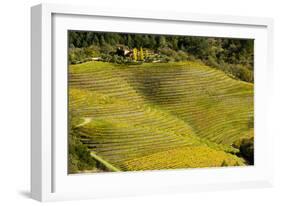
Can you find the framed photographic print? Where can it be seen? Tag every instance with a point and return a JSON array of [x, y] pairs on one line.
[[137, 102]]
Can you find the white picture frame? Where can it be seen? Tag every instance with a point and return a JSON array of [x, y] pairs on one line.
[[49, 179]]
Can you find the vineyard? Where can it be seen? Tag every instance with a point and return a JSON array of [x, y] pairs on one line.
[[159, 115]]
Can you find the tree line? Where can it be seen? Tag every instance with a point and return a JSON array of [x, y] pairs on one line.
[[233, 56]]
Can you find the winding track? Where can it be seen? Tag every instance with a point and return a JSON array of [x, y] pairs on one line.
[[86, 120]]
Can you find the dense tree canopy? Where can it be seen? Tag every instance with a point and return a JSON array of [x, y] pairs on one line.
[[234, 56]]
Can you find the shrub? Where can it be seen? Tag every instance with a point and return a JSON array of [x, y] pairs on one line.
[[79, 55], [241, 72], [246, 149], [79, 158]]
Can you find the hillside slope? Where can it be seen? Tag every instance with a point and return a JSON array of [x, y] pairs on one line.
[[159, 116]]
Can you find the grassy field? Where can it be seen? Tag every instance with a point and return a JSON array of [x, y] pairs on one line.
[[159, 115]]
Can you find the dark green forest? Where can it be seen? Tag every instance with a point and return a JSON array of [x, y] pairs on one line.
[[233, 56]]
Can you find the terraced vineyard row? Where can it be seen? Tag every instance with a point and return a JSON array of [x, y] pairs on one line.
[[159, 116], [182, 158]]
